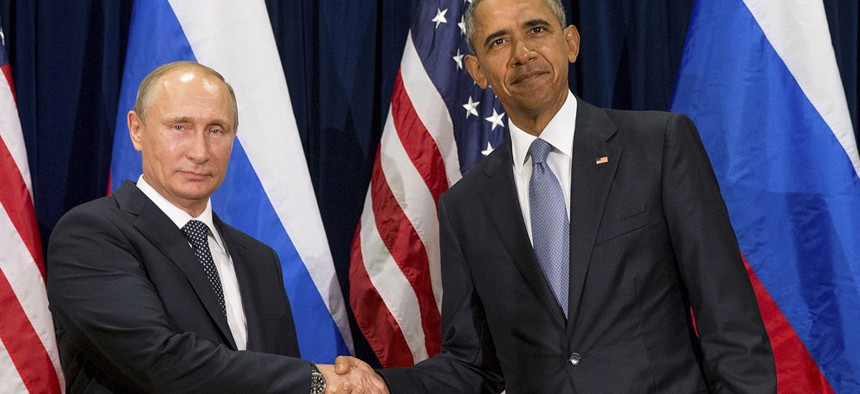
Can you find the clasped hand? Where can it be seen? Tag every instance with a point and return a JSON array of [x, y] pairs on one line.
[[350, 375]]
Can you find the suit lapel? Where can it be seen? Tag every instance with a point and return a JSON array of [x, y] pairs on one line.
[[245, 275], [590, 183], [163, 233], [500, 196]]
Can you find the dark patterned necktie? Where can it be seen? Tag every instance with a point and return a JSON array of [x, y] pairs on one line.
[[550, 226], [197, 234]]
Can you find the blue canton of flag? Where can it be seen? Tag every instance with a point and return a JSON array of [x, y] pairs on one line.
[[478, 118]]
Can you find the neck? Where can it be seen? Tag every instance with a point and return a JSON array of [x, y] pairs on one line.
[[535, 122], [192, 209], [533, 125]]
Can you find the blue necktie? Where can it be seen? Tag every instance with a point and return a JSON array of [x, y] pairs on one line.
[[197, 234], [550, 227]]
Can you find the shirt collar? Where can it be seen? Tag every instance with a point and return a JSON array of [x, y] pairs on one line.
[[558, 133], [176, 214]]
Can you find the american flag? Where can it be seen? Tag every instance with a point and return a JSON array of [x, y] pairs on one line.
[[440, 125], [29, 361]]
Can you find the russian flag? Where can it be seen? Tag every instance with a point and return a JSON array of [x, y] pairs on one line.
[[760, 80], [267, 191]]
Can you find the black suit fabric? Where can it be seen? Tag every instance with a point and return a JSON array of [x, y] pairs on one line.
[[134, 311], [650, 239]]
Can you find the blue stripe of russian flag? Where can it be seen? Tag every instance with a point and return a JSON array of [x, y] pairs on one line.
[[792, 191], [157, 37]]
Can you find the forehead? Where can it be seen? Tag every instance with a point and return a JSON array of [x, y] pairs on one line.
[[189, 86], [492, 15], [190, 81]]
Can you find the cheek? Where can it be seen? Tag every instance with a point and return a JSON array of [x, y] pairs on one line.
[[221, 151], [169, 146]]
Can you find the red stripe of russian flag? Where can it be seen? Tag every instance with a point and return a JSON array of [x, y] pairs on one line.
[[796, 371]]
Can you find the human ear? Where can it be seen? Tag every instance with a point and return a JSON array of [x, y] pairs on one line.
[[135, 130], [473, 66], [571, 37]]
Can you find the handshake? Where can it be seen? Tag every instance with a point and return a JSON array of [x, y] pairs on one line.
[[350, 375]]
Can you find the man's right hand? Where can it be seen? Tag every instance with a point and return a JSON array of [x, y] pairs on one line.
[[350, 375]]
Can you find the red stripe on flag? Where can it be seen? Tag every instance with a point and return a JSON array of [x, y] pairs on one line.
[[406, 248], [108, 192], [417, 141], [373, 317], [15, 197], [7, 72], [24, 346], [796, 371]]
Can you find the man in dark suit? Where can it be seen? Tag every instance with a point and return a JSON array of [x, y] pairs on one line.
[[150, 291], [573, 255]]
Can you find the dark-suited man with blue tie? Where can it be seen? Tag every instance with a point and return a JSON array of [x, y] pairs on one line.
[[150, 291], [573, 255]]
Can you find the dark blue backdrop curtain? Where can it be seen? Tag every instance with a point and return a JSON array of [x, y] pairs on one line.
[[340, 58]]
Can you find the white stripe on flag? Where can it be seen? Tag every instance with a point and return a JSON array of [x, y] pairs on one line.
[[414, 198], [10, 380], [26, 281], [10, 131], [267, 121], [795, 29], [393, 287], [431, 108]]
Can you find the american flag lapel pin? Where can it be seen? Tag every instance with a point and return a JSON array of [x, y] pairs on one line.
[[602, 160]]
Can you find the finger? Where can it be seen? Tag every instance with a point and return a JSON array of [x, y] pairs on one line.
[[378, 383], [341, 368], [346, 388]]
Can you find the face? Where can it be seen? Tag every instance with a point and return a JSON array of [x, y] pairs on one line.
[[186, 138], [523, 53]]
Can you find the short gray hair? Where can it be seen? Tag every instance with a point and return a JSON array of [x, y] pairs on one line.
[[147, 86], [553, 5]]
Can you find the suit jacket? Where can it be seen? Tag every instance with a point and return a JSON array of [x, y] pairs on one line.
[[650, 239], [134, 311]]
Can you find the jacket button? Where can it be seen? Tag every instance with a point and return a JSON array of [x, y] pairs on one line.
[[575, 358]]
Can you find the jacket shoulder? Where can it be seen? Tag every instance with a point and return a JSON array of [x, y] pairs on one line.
[[98, 210]]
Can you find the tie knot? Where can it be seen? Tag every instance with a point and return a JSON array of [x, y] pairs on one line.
[[539, 150], [196, 232]]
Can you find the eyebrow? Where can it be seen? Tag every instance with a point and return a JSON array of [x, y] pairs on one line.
[[188, 119], [179, 119], [536, 22]]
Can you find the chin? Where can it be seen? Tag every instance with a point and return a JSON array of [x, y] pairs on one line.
[[196, 193]]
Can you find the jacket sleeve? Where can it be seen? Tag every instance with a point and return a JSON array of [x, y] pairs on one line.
[[736, 350], [115, 332]]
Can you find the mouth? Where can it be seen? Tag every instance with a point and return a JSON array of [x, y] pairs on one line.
[[528, 76], [194, 176]]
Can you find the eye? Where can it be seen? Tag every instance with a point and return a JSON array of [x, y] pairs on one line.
[[497, 42], [178, 127], [216, 131], [538, 29]]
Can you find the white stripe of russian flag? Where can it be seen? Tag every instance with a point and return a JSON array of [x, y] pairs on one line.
[[795, 28], [264, 105]]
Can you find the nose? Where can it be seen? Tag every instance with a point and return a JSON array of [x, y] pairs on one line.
[[198, 149], [522, 54]]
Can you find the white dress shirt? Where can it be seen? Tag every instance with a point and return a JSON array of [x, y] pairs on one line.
[[229, 283], [558, 133]]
